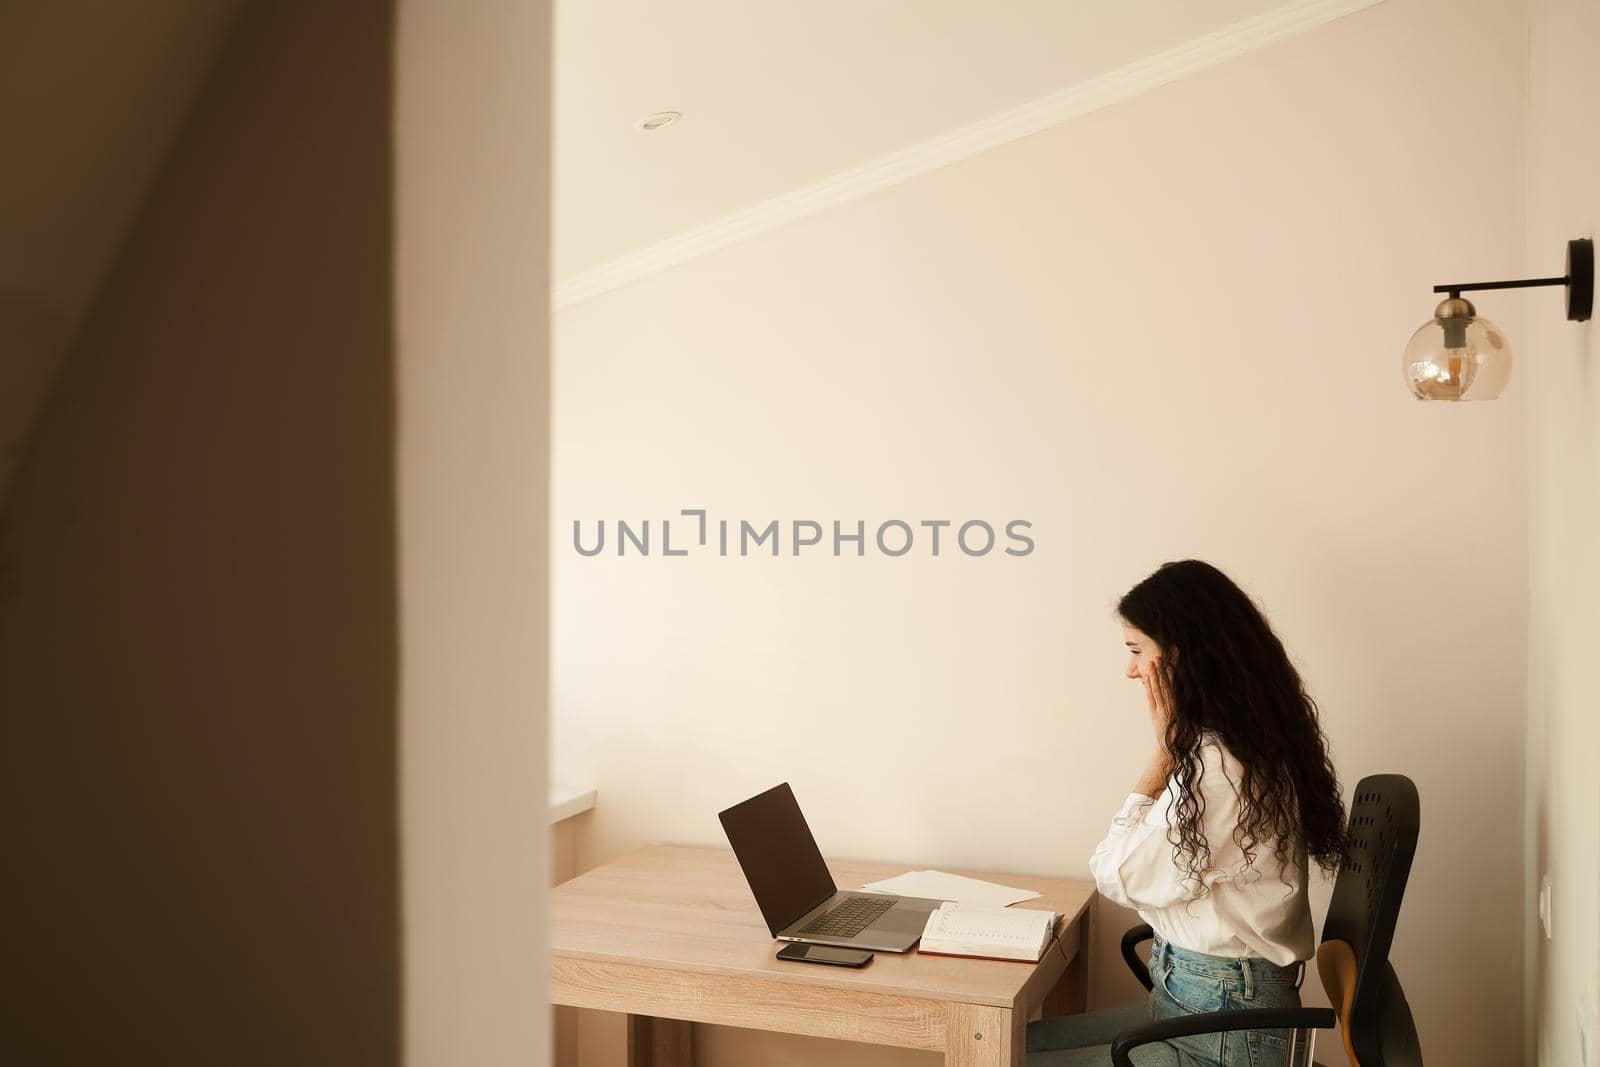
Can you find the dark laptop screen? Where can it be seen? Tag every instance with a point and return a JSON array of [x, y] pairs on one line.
[[779, 856]]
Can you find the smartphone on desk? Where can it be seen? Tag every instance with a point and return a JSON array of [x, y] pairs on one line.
[[839, 957]]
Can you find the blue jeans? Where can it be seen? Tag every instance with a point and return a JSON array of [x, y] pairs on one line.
[[1186, 983]]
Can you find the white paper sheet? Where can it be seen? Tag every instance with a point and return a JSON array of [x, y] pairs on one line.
[[937, 885]]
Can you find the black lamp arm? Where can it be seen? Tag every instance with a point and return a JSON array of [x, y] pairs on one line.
[[1579, 281], [1457, 288]]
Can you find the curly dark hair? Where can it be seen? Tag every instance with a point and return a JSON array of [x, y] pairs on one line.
[[1229, 673]]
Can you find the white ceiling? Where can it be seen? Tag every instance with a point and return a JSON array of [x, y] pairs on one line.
[[779, 95]]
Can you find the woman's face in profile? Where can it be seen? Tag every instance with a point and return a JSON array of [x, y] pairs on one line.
[[1142, 651]]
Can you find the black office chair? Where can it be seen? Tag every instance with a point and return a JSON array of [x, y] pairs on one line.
[[1353, 958]]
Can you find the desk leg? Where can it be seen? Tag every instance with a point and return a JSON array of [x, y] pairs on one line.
[[654, 1042], [1070, 994], [983, 1036]]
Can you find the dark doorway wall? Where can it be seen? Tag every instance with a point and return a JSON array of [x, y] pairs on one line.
[[198, 652]]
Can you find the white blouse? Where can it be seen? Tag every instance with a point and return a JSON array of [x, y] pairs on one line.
[[1257, 911]]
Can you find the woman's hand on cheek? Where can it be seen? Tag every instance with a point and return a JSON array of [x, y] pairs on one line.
[[1158, 695]]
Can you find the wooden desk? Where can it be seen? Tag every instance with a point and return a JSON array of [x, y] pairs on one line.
[[670, 934]]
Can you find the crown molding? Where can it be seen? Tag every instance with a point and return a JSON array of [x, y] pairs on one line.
[[1098, 92]]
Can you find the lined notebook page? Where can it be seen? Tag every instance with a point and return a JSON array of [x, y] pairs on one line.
[[977, 931]]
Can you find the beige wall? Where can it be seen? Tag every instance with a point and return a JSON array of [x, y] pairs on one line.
[[198, 624], [1171, 328], [1558, 362], [273, 575], [472, 133]]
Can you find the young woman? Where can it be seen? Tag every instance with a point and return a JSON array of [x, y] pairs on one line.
[[1212, 845]]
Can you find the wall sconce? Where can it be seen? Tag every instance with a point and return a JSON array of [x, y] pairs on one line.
[[1458, 356]]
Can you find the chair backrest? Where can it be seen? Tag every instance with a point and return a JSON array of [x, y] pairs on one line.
[[1377, 1023]]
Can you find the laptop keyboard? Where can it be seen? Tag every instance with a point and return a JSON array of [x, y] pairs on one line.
[[849, 918]]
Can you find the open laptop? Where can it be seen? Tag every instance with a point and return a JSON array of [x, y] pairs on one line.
[[795, 891]]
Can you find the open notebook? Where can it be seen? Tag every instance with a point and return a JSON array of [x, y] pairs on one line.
[[992, 933]]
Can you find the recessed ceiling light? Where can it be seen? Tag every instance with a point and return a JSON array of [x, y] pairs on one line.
[[659, 120]]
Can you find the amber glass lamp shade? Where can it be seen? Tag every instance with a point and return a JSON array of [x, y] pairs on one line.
[[1457, 356]]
